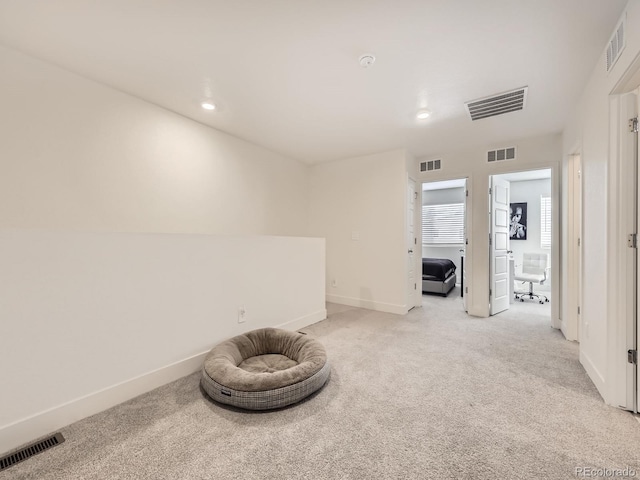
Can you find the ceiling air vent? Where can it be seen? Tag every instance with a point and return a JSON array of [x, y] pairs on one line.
[[616, 43], [430, 165], [500, 154], [497, 104]]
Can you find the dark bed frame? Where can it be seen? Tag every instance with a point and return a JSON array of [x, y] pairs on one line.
[[438, 276]]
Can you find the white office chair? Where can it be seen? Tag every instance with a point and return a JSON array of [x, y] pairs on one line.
[[534, 270]]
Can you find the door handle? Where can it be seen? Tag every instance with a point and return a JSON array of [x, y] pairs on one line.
[[411, 250]]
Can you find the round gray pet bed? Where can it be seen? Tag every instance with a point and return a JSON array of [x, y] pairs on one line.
[[264, 369]]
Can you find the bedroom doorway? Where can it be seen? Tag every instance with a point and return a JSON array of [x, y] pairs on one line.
[[444, 239], [528, 244]]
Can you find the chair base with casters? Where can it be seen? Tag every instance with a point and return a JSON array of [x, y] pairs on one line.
[[522, 295], [534, 270]]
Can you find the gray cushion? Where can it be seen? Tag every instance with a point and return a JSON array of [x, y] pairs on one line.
[[265, 368]]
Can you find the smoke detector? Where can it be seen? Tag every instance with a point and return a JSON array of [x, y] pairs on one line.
[[367, 60]]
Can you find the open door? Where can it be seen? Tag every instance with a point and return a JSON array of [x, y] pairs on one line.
[[498, 246], [635, 334], [464, 289], [572, 297], [412, 246], [626, 383]]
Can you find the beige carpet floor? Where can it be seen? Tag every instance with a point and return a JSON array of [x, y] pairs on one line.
[[435, 394]]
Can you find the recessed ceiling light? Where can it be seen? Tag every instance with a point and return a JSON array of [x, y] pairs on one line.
[[208, 105], [422, 114]]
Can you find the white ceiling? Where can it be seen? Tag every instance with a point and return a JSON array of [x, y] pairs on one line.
[[285, 73]]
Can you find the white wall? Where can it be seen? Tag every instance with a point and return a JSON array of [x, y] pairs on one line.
[[592, 132], [532, 153], [358, 205], [75, 154], [92, 319]]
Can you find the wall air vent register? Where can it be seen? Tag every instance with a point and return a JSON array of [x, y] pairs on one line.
[[616, 43], [500, 154], [430, 165]]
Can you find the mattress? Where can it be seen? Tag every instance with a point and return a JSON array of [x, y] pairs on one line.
[[437, 268]]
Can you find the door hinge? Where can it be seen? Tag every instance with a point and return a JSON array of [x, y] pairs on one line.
[[578, 309], [490, 292], [415, 286], [466, 193], [415, 195], [632, 356], [632, 240], [489, 190], [489, 239], [633, 125], [578, 242]]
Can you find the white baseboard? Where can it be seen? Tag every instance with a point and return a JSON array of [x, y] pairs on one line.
[[41, 424], [595, 376], [564, 328], [304, 321], [31, 428], [369, 304]]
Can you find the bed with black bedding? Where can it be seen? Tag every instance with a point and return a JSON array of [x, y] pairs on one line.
[[438, 275]]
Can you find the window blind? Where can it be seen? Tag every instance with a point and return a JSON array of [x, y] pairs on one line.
[[443, 224], [545, 222]]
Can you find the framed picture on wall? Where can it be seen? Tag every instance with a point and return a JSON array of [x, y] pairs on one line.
[[518, 223]]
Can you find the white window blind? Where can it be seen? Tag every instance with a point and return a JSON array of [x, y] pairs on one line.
[[545, 222], [443, 224]]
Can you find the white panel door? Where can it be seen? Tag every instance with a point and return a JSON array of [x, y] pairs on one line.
[[499, 246], [464, 283], [412, 283], [635, 326], [624, 381]]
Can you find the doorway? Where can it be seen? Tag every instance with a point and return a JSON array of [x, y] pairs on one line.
[[444, 237], [529, 239]]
